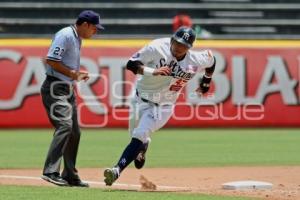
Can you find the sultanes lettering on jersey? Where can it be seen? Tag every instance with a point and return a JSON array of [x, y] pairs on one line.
[[177, 70]]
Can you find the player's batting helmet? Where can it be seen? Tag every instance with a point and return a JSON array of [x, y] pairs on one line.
[[185, 35]]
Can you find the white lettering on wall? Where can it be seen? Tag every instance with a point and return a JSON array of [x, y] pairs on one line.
[[236, 85]]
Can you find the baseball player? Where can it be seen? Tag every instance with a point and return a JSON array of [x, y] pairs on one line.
[[59, 98], [164, 67]]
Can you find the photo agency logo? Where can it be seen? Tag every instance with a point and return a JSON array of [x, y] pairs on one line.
[[121, 107]]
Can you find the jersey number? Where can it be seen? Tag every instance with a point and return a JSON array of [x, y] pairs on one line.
[[177, 85], [58, 51]]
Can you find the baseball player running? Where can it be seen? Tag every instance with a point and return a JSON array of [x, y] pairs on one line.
[[165, 66]]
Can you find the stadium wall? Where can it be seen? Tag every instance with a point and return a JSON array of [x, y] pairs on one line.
[[255, 84]]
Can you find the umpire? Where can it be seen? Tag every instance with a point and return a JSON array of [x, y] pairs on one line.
[[59, 98]]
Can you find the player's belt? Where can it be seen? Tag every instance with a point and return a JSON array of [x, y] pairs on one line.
[[145, 100]]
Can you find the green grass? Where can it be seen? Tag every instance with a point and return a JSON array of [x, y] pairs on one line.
[[169, 147], [55, 193]]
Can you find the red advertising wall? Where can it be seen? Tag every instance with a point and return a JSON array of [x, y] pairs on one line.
[[256, 83]]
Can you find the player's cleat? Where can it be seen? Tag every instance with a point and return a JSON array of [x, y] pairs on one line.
[[55, 179], [111, 175], [140, 160]]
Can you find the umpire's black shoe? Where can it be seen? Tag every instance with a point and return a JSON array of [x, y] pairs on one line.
[[55, 179], [140, 160], [78, 183]]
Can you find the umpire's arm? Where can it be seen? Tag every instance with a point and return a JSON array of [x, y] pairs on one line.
[[61, 68]]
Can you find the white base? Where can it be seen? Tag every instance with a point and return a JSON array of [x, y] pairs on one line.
[[240, 185]]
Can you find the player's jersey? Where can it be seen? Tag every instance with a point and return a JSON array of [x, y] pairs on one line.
[[165, 89]]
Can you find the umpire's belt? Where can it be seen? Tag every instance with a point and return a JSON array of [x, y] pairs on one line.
[[145, 100], [52, 78], [64, 84]]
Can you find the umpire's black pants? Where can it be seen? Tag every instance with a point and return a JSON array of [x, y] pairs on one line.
[[60, 103]]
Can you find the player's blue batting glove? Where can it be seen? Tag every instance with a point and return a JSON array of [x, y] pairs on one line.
[[205, 84]]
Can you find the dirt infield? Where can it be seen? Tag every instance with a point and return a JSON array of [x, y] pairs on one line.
[[285, 180]]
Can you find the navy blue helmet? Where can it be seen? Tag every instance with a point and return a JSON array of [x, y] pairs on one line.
[[185, 35]]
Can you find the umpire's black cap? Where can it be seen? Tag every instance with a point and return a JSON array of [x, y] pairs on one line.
[[90, 17], [185, 35]]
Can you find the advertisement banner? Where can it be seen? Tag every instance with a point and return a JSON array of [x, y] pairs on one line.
[[256, 83]]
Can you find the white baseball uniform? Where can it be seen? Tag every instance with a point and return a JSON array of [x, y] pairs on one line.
[[155, 96]]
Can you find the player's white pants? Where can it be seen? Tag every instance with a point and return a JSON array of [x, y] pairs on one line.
[[146, 118]]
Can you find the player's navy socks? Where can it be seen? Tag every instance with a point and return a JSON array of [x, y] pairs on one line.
[[130, 153]]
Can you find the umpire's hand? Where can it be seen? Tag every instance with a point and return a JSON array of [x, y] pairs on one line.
[[79, 75]]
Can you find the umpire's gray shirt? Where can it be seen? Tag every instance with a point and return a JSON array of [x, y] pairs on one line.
[[65, 47]]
